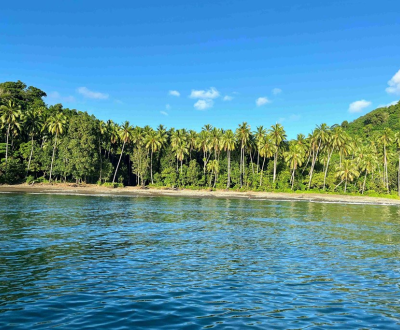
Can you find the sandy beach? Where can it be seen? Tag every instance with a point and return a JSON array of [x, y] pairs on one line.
[[71, 189]]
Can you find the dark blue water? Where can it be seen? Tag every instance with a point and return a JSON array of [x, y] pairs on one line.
[[74, 262]]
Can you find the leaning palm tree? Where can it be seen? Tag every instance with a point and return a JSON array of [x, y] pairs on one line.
[[213, 167], [294, 158], [319, 136], [10, 115], [278, 135], [153, 143], [346, 172], [125, 134], [258, 136], [56, 127], [32, 124], [228, 144]]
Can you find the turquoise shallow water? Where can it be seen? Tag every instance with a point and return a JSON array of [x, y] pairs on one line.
[[74, 262]]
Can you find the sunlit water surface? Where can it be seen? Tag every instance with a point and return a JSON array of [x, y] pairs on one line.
[[74, 262]]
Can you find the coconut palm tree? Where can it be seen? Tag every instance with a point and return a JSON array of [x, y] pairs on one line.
[[204, 144], [153, 143], [385, 139], [138, 136], [258, 136], [267, 150], [56, 126], [294, 158], [319, 136], [367, 165], [242, 135], [181, 149], [213, 167], [32, 124], [397, 143], [192, 137], [10, 117], [346, 172], [228, 144], [102, 131], [278, 135], [126, 135]]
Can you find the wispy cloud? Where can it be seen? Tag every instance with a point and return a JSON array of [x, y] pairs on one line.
[[118, 101], [91, 94], [294, 117], [56, 96], [276, 91], [358, 106], [262, 100], [174, 93], [227, 98], [210, 94], [388, 105], [164, 113], [203, 104], [394, 84], [167, 106]]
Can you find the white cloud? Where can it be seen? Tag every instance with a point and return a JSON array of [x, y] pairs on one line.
[[164, 113], [203, 104], [227, 98], [56, 96], [212, 93], [174, 93], [262, 100], [118, 101], [276, 91], [281, 120], [91, 94], [358, 106], [167, 106], [394, 84], [387, 105]]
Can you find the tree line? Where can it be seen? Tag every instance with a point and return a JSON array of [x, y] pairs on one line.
[[44, 143]]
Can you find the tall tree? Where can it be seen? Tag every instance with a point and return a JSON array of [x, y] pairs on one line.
[[10, 117], [242, 135], [125, 134], [278, 135], [56, 127], [228, 144]]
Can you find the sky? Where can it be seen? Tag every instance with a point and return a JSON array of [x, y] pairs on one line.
[[184, 64]]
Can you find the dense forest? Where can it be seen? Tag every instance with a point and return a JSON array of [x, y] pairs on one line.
[[41, 143]]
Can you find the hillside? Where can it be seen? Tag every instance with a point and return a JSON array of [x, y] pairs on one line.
[[375, 120]]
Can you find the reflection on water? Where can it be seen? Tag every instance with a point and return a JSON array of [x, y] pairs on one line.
[[179, 263]]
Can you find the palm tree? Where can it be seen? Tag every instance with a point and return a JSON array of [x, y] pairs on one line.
[[192, 142], [153, 143], [397, 143], [294, 158], [338, 139], [181, 149], [278, 135], [318, 138], [126, 135], [367, 165], [243, 135], [386, 139], [213, 167], [204, 143], [346, 172], [228, 144], [267, 150], [102, 131], [9, 117], [259, 135], [32, 124], [138, 140], [56, 127]]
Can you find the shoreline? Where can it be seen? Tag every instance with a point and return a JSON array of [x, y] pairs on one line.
[[92, 190]]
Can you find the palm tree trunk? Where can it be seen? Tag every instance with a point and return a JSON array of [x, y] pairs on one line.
[[345, 186], [30, 156], [241, 166], [365, 180], [327, 166], [228, 184], [293, 178], [258, 160], [8, 134], [251, 160], [181, 165], [151, 166], [116, 170], [262, 171], [101, 161], [275, 164], [52, 157], [398, 178]]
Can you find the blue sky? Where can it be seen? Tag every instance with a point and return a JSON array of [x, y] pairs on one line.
[[298, 63]]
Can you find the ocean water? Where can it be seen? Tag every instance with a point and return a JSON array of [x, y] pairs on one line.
[[77, 262]]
